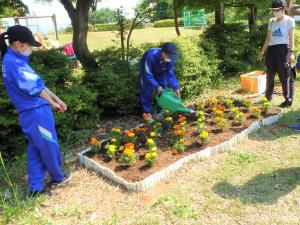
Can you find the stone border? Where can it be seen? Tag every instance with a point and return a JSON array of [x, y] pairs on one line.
[[155, 178]]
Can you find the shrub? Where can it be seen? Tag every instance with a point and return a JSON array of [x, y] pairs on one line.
[[167, 23], [195, 68], [117, 87], [234, 47]]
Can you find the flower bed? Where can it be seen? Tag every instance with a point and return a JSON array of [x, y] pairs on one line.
[[141, 157]]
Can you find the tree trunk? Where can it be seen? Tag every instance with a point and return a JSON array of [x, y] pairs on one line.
[[252, 17], [176, 17], [219, 13], [79, 19]]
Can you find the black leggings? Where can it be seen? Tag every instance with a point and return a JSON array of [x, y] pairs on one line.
[[277, 61]]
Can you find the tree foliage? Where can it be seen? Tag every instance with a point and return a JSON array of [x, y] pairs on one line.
[[12, 8]]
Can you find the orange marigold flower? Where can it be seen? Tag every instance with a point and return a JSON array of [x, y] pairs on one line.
[[94, 141], [175, 127], [129, 145]]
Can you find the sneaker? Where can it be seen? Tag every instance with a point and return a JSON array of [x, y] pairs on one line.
[[286, 103], [67, 178], [296, 127]]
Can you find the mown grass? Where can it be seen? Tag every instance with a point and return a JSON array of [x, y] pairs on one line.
[[102, 40]]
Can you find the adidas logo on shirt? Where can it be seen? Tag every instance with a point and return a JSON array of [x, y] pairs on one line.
[[277, 33]]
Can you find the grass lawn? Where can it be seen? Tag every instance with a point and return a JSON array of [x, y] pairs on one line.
[[256, 182], [101, 40]]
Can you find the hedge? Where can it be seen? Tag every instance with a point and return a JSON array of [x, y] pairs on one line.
[[167, 23]]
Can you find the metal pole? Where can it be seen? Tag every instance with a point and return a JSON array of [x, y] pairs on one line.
[[55, 26]]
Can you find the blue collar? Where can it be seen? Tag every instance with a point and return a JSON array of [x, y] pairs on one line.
[[18, 55]]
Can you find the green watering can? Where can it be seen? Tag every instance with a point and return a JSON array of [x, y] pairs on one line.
[[168, 100]]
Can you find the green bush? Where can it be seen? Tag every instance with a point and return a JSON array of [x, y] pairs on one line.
[[167, 23], [235, 47], [197, 66], [117, 87]]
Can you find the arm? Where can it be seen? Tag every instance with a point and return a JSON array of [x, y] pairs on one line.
[[149, 74], [265, 46], [292, 44], [56, 99], [173, 80]]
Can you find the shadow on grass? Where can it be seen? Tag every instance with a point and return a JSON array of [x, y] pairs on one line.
[[281, 129], [263, 188]]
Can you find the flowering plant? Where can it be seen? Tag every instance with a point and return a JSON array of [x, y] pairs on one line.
[[180, 145], [220, 122], [111, 150], [158, 129], [266, 107], [247, 103], [150, 158], [200, 106], [203, 136], [217, 112], [96, 145], [255, 112], [130, 136], [212, 101], [239, 118], [234, 111], [128, 156], [168, 121], [229, 103]]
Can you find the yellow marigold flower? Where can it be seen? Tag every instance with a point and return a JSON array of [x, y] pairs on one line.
[[169, 119], [204, 134], [116, 130], [150, 141], [201, 126], [181, 140], [121, 148], [131, 135], [128, 152], [166, 111], [154, 154], [152, 134], [113, 140], [153, 149], [201, 120], [111, 148], [147, 156]]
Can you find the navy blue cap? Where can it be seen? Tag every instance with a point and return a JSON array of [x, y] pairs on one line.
[[170, 50], [278, 4], [22, 34]]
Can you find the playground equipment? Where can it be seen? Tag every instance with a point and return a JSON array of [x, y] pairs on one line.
[[194, 19]]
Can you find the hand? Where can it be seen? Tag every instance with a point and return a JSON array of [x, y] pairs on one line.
[[56, 107], [159, 90], [177, 93], [292, 59], [62, 104], [260, 56]]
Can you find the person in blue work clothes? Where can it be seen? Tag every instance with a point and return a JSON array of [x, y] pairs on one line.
[[156, 74], [33, 102]]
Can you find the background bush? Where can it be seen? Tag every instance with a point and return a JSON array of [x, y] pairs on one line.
[[167, 23], [234, 46]]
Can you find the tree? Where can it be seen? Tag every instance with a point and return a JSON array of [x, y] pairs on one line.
[[78, 11], [143, 12], [12, 8], [104, 15]]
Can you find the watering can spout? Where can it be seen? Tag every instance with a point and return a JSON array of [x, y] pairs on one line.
[[168, 100]]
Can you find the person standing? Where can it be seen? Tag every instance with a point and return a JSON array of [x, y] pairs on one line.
[[279, 48], [33, 101]]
